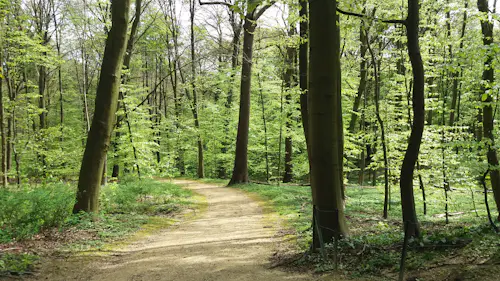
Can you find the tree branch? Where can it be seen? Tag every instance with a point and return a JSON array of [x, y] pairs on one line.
[[370, 17], [263, 9], [216, 3]]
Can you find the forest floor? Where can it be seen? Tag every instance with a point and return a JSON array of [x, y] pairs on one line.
[[232, 239]]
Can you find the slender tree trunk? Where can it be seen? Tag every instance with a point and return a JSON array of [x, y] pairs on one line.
[[376, 74], [486, 86], [87, 198], [290, 83], [264, 121], [303, 71], [201, 164], [2, 129], [325, 123], [411, 156]]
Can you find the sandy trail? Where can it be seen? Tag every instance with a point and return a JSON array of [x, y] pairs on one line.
[[230, 241]]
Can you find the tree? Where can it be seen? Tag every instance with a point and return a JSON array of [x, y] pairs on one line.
[[411, 156], [325, 120], [486, 88], [87, 198]]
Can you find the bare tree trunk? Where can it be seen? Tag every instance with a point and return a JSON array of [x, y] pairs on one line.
[[2, 130], [376, 74], [264, 121], [240, 170], [486, 85], [290, 83], [87, 198], [411, 156], [325, 124]]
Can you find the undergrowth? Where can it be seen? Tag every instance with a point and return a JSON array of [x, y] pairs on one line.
[[29, 213], [373, 246]]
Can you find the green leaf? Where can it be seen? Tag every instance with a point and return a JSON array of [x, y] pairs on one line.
[[484, 97]]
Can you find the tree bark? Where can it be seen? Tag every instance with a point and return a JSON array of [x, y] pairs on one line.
[[376, 74], [87, 198], [290, 83], [2, 128], [240, 170], [412, 151], [303, 71], [486, 87], [325, 123]]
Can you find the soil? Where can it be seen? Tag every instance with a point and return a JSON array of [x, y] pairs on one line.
[[232, 240]]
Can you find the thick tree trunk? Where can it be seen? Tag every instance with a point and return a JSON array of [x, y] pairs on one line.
[[325, 124], [486, 85], [408, 167], [240, 170], [87, 198]]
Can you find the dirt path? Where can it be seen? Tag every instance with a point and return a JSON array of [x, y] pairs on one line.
[[231, 241]]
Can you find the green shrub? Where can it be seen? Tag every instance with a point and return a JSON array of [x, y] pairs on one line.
[[146, 196], [26, 211]]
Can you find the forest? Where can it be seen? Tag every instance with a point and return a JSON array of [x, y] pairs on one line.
[[363, 133]]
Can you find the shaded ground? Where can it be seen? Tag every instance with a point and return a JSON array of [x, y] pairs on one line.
[[231, 240]]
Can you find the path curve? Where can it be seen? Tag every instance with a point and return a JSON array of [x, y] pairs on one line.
[[230, 241]]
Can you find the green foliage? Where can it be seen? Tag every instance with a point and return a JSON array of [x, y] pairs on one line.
[[373, 247], [146, 196], [16, 263], [25, 212]]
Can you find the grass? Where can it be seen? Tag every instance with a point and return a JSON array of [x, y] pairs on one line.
[[128, 209], [374, 244]]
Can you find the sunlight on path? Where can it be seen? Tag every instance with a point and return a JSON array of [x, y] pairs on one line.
[[230, 241]]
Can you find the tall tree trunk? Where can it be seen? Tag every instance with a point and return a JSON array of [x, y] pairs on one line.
[[87, 198], [411, 156], [486, 86], [201, 164], [264, 121], [240, 170], [2, 129], [303, 70], [325, 123], [376, 74], [290, 83]]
